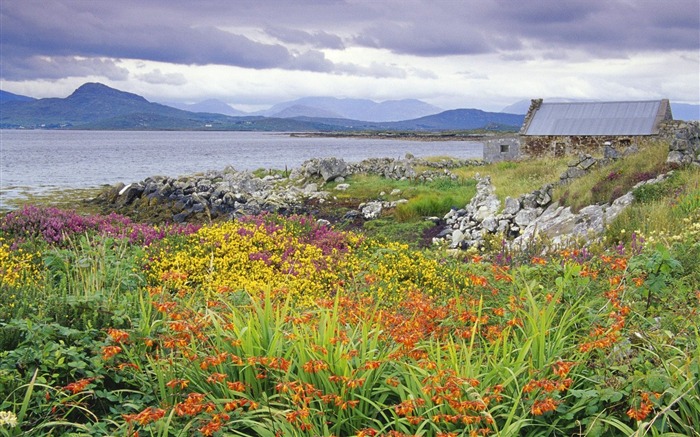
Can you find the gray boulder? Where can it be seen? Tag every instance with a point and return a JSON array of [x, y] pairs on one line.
[[371, 210], [457, 238], [512, 206], [490, 224], [332, 168], [526, 216]]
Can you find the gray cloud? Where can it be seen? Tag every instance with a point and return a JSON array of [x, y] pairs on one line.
[[309, 61], [157, 77], [41, 38], [374, 70], [110, 36], [59, 67], [318, 39], [603, 26], [419, 40]]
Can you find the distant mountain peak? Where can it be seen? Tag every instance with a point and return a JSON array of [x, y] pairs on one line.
[[213, 106], [358, 109], [305, 111], [99, 90]]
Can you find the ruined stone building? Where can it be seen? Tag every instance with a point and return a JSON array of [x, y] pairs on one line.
[[562, 129], [603, 129]]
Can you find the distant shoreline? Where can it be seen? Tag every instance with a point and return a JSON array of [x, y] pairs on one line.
[[411, 136]]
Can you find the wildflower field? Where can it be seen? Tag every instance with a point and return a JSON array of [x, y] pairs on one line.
[[274, 326]]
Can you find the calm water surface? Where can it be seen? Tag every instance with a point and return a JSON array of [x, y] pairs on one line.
[[38, 161]]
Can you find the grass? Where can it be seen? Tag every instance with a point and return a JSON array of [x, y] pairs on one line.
[[660, 210], [430, 198], [605, 184], [512, 179], [410, 232], [67, 198]]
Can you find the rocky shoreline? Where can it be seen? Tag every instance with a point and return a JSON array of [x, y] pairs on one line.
[[230, 194]]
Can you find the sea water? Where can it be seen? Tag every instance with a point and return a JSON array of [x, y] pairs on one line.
[[40, 161]]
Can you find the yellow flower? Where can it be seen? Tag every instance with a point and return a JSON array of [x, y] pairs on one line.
[[8, 418]]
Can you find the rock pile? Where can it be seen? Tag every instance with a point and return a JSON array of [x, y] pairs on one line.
[[529, 216], [231, 194], [467, 227], [685, 144], [577, 167], [215, 193]]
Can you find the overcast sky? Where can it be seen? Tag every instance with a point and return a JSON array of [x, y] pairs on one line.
[[252, 54]]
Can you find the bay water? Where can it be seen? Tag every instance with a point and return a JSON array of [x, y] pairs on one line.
[[36, 162]]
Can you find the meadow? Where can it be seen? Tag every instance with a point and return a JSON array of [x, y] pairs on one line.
[[280, 326]]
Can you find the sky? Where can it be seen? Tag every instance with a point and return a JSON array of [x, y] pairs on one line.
[[252, 54]]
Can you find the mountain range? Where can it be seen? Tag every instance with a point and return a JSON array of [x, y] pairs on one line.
[[97, 106]]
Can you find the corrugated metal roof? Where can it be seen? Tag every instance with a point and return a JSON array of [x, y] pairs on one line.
[[595, 118]]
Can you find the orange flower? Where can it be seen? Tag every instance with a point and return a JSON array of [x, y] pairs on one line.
[[645, 407], [236, 386], [181, 383], [371, 365], [78, 386], [354, 383], [404, 408], [191, 406], [210, 428], [110, 351], [117, 335], [315, 366], [393, 382], [146, 416], [562, 368], [543, 406], [216, 377]]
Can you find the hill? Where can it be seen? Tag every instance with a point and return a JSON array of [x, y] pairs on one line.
[[464, 119], [97, 106], [355, 109], [212, 106], [452, 120], [10, 97], [90, 103]]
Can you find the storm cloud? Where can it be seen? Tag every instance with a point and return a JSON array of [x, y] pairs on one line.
[[382, 39]]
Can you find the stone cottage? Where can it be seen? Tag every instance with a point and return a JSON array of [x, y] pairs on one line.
[[563, 129]]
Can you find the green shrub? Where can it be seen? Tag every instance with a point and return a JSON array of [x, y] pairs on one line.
[[93, 283], [408, 232]]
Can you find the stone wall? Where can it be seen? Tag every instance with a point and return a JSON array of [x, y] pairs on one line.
[[502, 149], [684, 141], [557, 146], [528, 217], [466, 227]]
